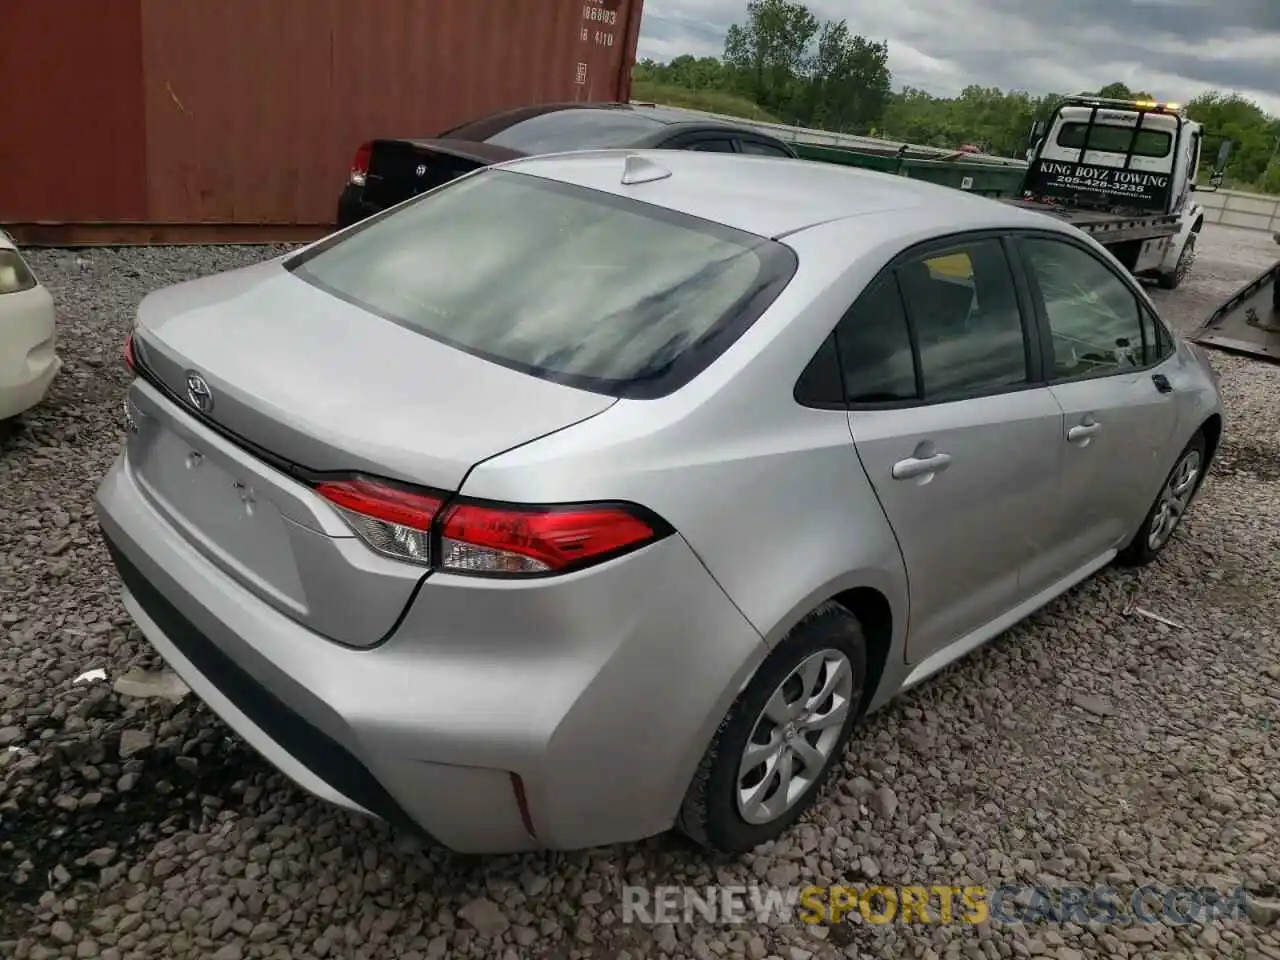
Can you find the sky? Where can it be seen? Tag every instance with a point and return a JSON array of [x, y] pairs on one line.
[[1173, 49]]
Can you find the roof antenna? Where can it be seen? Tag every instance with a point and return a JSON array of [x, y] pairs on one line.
[[640, 170]]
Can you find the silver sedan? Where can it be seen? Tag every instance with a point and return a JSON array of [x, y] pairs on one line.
[[595, 494]]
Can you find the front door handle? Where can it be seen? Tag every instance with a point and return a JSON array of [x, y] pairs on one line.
[[1162, 383], [913, 467], [1083, 431]]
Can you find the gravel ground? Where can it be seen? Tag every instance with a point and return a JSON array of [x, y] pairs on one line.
[[1087, 746]]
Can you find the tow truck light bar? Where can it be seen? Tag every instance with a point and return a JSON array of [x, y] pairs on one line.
[[1151, 105]]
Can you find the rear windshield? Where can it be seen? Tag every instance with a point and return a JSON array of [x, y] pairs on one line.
[[571, 285], [1110, 138], [559, 130]]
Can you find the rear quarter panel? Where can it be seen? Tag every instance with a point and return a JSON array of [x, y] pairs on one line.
[[770, 495]]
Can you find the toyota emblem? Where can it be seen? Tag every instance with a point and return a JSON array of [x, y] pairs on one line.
[[422, 169], [198, 392]]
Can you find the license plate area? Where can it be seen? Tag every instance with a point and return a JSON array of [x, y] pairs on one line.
[[228, 516]]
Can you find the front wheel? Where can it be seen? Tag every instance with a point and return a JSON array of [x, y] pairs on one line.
[[782, 737], [1170, 506]]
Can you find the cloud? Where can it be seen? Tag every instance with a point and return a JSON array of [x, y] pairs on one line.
[[1173, 48]]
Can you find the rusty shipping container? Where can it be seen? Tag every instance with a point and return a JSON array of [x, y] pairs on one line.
[[190, 120]]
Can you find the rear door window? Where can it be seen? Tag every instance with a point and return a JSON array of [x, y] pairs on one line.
[[963, 308], [564, 283]]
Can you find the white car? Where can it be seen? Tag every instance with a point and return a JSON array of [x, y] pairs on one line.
[[28, 355]]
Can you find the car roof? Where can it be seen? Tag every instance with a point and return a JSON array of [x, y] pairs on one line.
[[771, 196], [493, 123], [653, 111]]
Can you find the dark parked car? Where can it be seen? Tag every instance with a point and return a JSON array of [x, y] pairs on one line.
[[385, 172]]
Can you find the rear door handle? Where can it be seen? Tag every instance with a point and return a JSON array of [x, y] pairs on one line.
[[1162, 383], [913, 467], [1083, 431]]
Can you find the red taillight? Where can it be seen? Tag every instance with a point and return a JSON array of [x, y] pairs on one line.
[[391, 519], [128, 354], [360, 164], [482, 538], [489, 539]]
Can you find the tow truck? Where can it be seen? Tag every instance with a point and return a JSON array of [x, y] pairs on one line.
[[1249, 322], [1124, 172]]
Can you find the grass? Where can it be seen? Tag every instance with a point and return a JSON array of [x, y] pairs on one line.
[[711, 101]]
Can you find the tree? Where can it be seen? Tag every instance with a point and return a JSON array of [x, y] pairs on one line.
[[768, 51], [780, 62], [1120, 91], [849, 80], [1256, 136]]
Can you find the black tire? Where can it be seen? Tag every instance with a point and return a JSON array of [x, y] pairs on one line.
[[1139, 552], [1173, 279], [710, 814]]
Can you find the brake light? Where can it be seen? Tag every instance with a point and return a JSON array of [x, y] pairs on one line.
[[360, 164], [487, 538], [393, 520], [129, 360]]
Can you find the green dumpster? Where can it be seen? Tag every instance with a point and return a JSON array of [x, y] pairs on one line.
[[973, 176]]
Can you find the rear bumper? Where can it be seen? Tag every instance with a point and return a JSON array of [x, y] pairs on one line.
[[352, 207], [28, 355], [599, 698]]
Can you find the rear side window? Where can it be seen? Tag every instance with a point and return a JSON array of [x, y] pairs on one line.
[[711, 146], [762, 149], [557, 130], [564, 283], [874, 343]]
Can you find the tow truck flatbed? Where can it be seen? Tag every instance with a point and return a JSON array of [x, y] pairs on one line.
[[1248, 323], [1105, 226]]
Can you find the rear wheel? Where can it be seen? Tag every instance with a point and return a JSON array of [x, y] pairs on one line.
[[1170, 506], [782, 737], [1173, 279]]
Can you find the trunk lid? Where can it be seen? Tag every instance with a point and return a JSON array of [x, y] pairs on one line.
[[304, 383], [400, 169]]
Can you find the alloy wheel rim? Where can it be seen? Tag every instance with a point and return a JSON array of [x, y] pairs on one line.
[[794, 736], [1174, 499]]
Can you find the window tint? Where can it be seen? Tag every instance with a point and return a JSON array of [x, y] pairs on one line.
[[821, 384], [559, 282], [964, 310], [875, 347], [762, 149], [1093, 315], [1159, 341], [556, 130], [1111, 138], [712, 146]]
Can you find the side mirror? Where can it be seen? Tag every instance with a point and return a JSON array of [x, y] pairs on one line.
[[1033, 137], [1220, 164], [1224, 154]]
